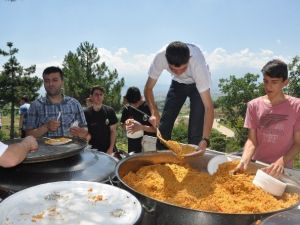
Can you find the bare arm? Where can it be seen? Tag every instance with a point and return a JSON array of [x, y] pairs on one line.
[[249, 150], [16, 153], [208, 116], [148, 92], [113, 137]]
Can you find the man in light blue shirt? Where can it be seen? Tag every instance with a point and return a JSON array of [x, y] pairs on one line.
[[54, 114]]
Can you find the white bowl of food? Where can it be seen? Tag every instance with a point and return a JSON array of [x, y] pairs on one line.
[[213, 163], [137, 134], [268, 183]]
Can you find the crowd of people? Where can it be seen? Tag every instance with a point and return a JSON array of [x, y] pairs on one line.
[[273, 120]]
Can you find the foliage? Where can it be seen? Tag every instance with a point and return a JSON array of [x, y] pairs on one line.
[[236, 93], [294, 77], [15, 81], [121, 139], [180, 131], [82, 70]]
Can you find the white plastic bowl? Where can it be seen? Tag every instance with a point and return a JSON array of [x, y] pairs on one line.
[[135, 135], [268, 183], [213, 164]]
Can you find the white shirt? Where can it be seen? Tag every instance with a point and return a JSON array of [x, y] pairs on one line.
[[197, 70], [3, 148]]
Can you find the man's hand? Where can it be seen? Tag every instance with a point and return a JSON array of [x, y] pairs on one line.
[[276, 169], [154, 119], [241, 167], [80, 132], [53, 125], [30, 143], [202, 145], [133, 126]]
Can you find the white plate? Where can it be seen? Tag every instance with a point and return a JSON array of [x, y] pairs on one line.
[[214, 163], [70, 203]]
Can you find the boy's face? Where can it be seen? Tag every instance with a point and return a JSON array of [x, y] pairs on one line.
[[97, 97], [273, 85], [178, 70]]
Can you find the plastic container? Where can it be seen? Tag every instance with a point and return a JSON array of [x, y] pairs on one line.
[[268, 183], [213, 164], [135, 135]]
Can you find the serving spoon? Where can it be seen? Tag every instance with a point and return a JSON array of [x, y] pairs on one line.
[[178, 148]]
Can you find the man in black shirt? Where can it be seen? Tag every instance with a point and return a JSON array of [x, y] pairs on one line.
[[134, 121], [102, 122]]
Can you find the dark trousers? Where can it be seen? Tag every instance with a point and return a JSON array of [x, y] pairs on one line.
[[176, 97]]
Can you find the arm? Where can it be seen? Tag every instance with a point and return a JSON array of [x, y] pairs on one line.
[[277, 168], [208, 117], [51, 125], [249, 150], [113, 137], [16, 153], [148, 92], [135, 126]]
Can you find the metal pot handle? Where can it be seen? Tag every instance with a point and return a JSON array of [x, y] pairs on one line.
[[113, 182], [149, 209]]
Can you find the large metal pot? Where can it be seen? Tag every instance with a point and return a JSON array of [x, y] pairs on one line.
[[161, 213]]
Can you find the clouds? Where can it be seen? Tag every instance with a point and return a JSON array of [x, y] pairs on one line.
[[220, 60], [245, 59], [134, 66]]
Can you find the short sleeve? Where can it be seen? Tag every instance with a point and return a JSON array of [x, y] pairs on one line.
[[251, 118], [158, 65]]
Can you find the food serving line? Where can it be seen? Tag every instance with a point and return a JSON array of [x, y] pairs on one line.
[[75, 161]]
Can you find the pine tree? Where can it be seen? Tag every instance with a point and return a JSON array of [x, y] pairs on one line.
[[15, 81], [83, 69]]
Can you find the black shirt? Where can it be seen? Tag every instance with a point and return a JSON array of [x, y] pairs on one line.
[[99, 123], [129, 113]]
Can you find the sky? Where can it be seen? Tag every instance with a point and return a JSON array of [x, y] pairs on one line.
[[236, 36]]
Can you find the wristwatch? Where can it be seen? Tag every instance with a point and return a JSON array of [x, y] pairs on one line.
[[206, 140]]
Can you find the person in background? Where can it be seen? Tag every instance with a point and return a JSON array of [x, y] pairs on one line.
[[273, 123], [101, 121], [54, 114], [134, 121], [24, 107], [13, 154], [191, 78]]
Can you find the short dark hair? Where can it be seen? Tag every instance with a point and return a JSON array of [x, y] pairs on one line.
[[94, 88], [177, 53], [133, 95], [53, 69], [25, 98], [276, 68]]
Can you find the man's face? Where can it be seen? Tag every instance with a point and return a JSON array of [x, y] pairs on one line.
[[97, 97], [178, 70], [273, 86], [53, 84]]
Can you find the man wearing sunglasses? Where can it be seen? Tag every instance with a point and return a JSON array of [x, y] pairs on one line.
[[190, 79]]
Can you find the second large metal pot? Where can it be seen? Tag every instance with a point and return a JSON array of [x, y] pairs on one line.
[[161, 213]]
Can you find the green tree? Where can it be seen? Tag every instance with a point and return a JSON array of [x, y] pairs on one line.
[[294, 77], [236, 93], [83, 70], [15, 81]]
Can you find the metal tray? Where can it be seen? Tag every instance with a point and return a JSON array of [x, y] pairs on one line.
[[47, 152]]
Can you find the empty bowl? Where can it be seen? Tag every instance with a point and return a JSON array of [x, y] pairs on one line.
[[268, 183]]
